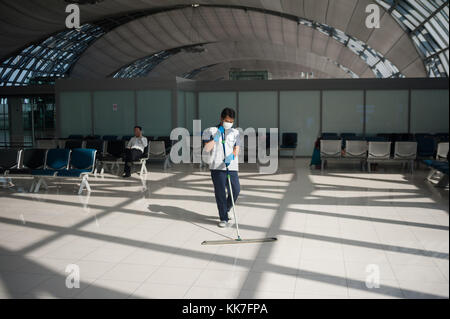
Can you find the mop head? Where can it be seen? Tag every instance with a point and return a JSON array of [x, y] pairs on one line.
[[240, 241]]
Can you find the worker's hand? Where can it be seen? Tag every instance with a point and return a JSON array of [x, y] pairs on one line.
[[221, 130], [229, 159]]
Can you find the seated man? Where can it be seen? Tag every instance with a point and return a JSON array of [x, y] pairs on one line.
[[135, 150]]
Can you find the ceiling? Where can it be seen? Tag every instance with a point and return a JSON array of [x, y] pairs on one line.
[[224, 53], [327, 37]]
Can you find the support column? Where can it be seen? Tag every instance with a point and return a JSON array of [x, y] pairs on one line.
[[16, 129]]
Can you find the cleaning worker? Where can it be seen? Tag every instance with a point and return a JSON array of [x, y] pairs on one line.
[[223, 141]]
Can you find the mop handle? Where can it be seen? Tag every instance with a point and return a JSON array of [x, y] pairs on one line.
[[231, 188]]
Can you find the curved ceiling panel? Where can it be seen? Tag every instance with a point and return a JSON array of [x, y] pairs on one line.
[[221, 53], [146, 36], [427, 25], [412, 33], [276, 69], [28, 21]]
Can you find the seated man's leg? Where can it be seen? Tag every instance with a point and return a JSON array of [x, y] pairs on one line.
[[127, 160], [136, 155], [133, 155]]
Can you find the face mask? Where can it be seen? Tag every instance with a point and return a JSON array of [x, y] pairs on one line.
[[227, 125]]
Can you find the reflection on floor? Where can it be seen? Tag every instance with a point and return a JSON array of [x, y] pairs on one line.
[[343, 234]]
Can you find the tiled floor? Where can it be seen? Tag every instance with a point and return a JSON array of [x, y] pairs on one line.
[[338, 232]]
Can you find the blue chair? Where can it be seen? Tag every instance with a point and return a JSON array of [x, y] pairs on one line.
[[127, 137], [426, 146], [441, 137], [32, 159], [9, 159], [375, 139], [421, 135], [330, 136], [73, 144], [99, 146], [75, 137], [355, 138], [347, 135], [110, 138], [289, 141], [92, 137], [115, 150], [405, 137], [82, 163], [57, 160]]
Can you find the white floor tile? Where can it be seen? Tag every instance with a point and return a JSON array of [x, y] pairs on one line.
[[160, 291], [174, 276], [269, 281], [209, 293], [322, 285], [130, 272], [130, 242], [222, 279], [108, 289]]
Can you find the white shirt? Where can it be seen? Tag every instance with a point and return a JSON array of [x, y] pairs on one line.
[[138, 143], [216, 158]]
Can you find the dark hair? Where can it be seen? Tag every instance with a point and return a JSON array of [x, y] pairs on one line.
[[228, 112], [139, 127]]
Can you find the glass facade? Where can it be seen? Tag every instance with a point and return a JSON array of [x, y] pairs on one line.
[[427, 23], [53, 58], [4, 122]]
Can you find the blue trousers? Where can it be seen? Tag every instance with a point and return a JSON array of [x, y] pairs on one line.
[[221, 187]]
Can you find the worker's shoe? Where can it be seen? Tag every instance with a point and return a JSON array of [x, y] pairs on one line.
[[223, 224], [230, 215]]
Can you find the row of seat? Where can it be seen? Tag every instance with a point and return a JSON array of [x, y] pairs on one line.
[[111, 152], [43, 164], [375, 151], [405, 137], [113, 137], [427, 144], [74, 141]]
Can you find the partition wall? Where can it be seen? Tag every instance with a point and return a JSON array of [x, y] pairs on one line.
[[308, 107]]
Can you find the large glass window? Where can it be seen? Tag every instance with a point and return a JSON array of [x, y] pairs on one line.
[[300, 113], [386, 112], [154, 112], [211, 105], [191, 110], [258, 110], [429, 111], [343, 112], [4, 122], [38, 115], [75, 113], [114, 112]]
